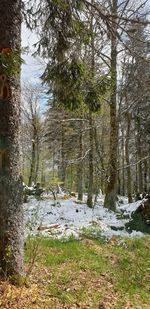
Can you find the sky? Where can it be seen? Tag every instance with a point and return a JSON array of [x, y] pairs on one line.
[[32, 69]]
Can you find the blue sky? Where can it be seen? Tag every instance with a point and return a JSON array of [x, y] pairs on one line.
[[32, 68]]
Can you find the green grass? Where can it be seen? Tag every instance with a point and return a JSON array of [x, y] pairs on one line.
[[92, 272]]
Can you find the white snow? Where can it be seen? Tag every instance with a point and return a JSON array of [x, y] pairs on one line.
[[130, 208], [67, 218]]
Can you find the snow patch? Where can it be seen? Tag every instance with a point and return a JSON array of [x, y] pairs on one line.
[[70, 217]]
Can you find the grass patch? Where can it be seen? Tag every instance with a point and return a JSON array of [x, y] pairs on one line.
[[86, 274], [133, 268]]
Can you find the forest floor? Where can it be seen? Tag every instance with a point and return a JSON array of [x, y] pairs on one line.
[[67, 217], [90, 273]]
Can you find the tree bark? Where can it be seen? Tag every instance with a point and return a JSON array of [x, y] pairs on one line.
[[100, 153], [111, 190], [11, 212], [123, 159], [32, 167], [145, 175], [139, 155], [91, 168], [63, 164], [37, 163], [80, 165], [129, 187], [91, 130]]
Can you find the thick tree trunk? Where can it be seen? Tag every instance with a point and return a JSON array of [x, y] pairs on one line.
[[111, 190], [11, 213]]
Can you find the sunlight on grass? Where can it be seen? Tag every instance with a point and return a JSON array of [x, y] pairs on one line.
[[90, 272]]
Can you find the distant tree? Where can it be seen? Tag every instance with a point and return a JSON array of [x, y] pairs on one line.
[[135, 106], [66, 41], [32, 130]]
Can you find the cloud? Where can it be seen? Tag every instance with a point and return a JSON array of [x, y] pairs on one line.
[[33, 67]]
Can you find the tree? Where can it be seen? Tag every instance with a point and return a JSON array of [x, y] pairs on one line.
[[11, 214], [121, 14], [65, 37], [32, 129], [111, 191], [134, 110]]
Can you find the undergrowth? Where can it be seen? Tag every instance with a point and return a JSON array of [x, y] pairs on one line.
[[90, 273]]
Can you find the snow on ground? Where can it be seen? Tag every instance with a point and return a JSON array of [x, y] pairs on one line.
[[66, 218], [130, 208]]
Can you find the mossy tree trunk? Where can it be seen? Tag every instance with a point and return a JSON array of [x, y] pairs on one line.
[[11, 214]]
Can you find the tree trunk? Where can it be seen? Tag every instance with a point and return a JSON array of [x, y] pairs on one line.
[[139, 155], [91, 169], [100, 153], [37, 162], [32, 167], [129, 188], [63, 164], [11, 213], [148, 171], [123, 159], [80, 165], [145, 175], [136, 189], [111, 190], [91, 132]]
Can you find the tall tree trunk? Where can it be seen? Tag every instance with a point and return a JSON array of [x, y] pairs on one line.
[[63, 164], [123, 171], [91, 132], [103, 173], [122, 163], [91, 169], [111, 190], [11, 213], [139, 155], [129, 187], [80, 165]]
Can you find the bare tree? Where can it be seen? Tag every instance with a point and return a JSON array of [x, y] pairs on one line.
[[32, 129]]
